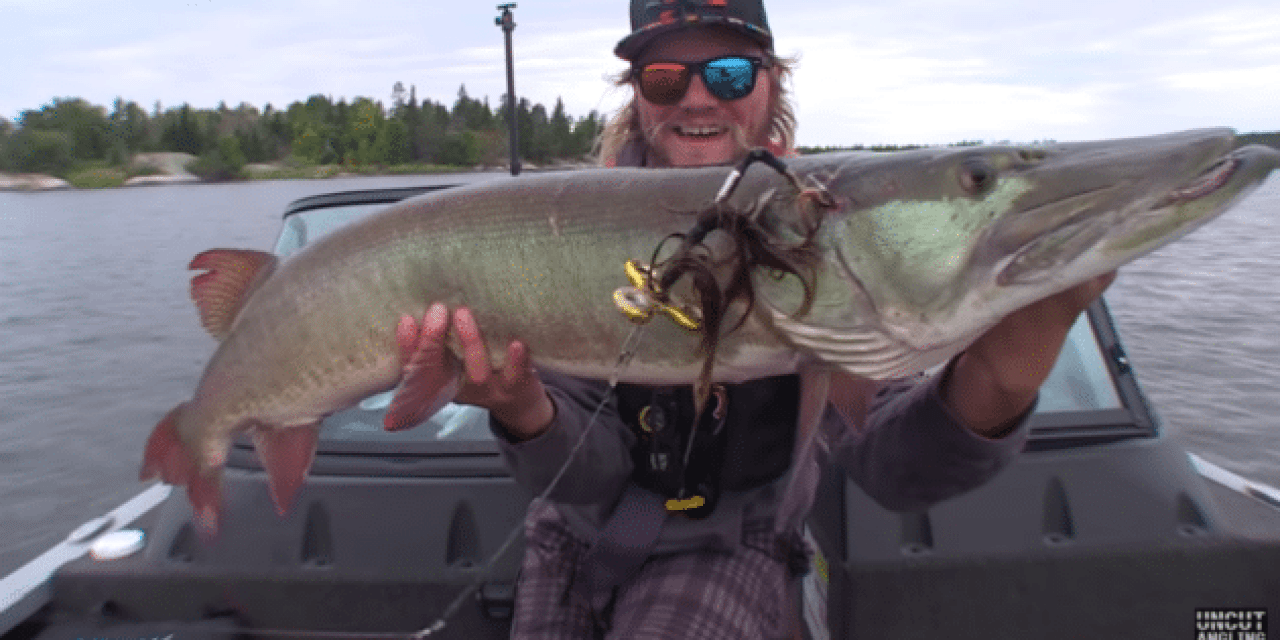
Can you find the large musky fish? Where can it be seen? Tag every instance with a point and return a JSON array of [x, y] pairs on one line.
[[922, 251]]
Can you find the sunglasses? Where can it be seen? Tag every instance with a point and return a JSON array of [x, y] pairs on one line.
[[726, 77]]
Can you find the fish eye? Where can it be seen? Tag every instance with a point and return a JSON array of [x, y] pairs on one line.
[[977, 176]]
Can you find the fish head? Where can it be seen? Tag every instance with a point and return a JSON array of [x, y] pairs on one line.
[[1098, 205], [931, 247]]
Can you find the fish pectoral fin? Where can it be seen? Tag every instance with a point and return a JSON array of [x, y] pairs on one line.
[[422, 392], [167, 459], [286, 453], [205, 494], [815, 386], [230, 277], [863, 352]]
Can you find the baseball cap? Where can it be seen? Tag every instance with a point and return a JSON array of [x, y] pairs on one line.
[[652, 18]]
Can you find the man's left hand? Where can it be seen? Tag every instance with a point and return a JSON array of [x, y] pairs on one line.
[[997, 378]]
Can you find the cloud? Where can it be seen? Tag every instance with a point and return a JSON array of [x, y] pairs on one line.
[[1229, 81], [910, 71]]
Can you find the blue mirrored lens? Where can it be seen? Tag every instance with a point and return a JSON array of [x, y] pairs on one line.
[[729, 78]]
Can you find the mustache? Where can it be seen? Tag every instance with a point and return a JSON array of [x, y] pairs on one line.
[[736, 131]]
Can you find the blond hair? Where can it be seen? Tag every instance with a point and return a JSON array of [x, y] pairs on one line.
[[624, 127]]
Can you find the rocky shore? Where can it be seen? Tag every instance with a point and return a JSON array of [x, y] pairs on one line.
[[31, 182], [169, 168]]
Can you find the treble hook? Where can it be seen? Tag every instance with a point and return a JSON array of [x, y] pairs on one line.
[[816, 194]]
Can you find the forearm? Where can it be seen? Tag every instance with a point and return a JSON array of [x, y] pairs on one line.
[[598, 470], [987, 400], [913, 451], [998, 377]]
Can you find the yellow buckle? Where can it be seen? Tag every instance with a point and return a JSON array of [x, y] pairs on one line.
[[692, 502], [639, 303]]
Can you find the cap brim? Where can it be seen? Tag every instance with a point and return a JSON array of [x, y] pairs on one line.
[[630, 47]]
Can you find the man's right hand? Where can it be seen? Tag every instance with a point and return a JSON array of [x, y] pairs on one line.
[[513, 394]]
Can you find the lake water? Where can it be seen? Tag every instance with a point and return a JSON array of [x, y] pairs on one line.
[[98, 337]]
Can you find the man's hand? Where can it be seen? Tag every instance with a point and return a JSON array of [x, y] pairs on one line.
[[513, 394], [996, 379]]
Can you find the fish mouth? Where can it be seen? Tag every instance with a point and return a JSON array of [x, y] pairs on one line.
[[1205, 184]]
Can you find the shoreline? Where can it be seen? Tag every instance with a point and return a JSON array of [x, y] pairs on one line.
[[31, 182], [35, 182]]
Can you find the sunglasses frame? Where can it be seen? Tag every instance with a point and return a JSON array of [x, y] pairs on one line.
[[700, 68]]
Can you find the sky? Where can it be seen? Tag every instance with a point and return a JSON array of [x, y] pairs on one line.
[[909, 71]]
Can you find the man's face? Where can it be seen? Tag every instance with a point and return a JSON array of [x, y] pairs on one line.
[[697, 130]]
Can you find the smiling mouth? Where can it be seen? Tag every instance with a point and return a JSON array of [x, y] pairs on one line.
[[699, 133]]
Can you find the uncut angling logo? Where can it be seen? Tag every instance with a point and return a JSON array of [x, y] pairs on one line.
[[1231, 624]]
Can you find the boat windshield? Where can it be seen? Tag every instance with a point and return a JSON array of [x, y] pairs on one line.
[[1080, 380], [302, 228]]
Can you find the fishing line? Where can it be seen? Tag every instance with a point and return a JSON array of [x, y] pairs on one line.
[[628, 351], [629, 347]]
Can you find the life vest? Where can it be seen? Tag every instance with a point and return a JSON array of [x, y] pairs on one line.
[[743, 440]]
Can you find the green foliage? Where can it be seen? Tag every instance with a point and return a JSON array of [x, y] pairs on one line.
[[469, 113], [224, 161], [460, 149], [308, 146], [97, 174], [585, 132], [67, 135], [132, 171], [85, 125], [118, 155], [229, 147], [6, 132], [1271, 139], [359, 134], [392, 143], [559, 132], [254, 144], [858, 147], [39, 151], [182, 133]]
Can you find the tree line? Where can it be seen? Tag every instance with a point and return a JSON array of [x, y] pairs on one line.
[[1271, 139], [68, 132], [363, 132]]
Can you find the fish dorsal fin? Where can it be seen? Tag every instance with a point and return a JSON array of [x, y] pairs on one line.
[[230, 277], [815, 386]]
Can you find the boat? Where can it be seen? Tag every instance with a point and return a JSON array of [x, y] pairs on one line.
[[1104, 527]]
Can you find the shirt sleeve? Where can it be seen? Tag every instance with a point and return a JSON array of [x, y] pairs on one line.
[[599, 470], [913, 452]]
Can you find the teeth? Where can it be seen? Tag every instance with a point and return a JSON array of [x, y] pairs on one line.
[[699, 131]]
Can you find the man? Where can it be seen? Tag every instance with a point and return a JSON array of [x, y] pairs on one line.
[[620, 549]]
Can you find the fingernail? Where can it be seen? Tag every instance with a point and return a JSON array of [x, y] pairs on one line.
[[437, 312]]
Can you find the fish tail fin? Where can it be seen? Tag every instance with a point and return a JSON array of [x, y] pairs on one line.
[[166, 458]]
